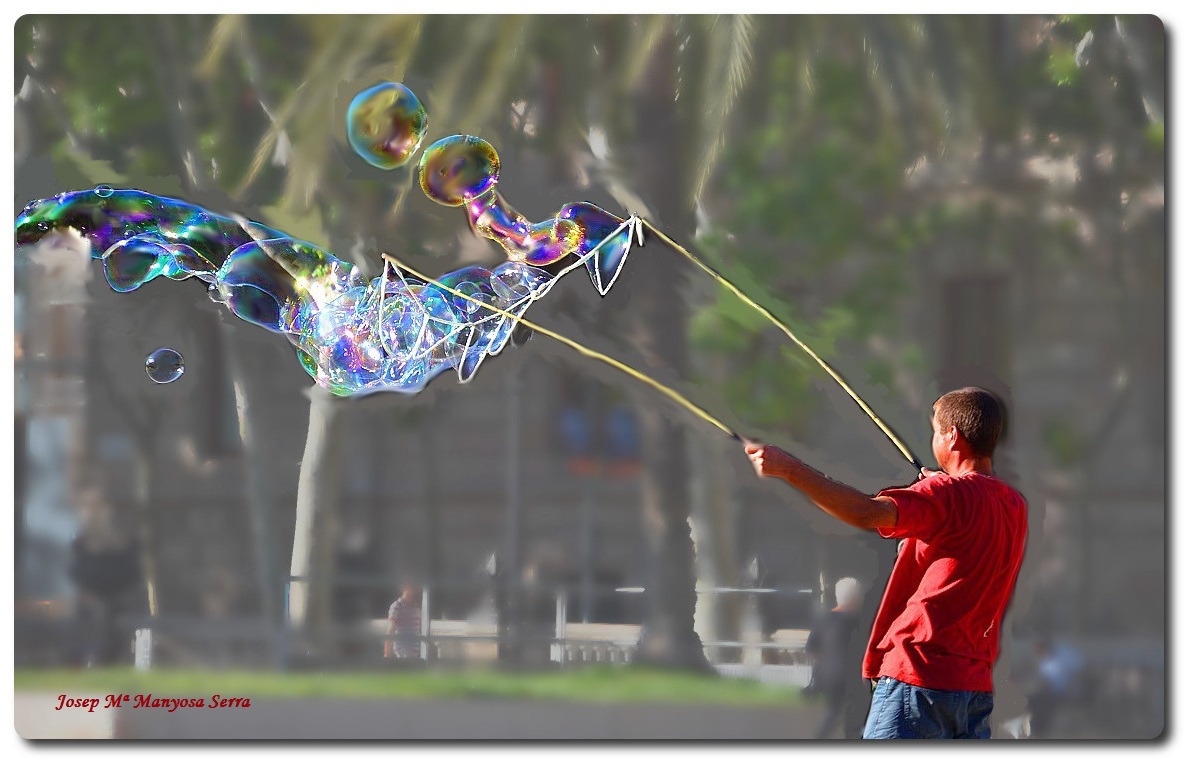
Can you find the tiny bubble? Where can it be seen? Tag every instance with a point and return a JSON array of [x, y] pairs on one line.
[[164, 366]]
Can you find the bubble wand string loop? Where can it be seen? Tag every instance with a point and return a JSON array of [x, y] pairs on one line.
[[898, 443], [667, 391]]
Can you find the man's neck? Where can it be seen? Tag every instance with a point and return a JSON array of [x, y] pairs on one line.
[[967, 466]]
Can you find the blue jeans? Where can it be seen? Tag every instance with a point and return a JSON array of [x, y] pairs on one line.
[[901, 710]]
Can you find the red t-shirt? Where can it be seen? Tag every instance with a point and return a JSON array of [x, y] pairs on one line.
[[939, 621]]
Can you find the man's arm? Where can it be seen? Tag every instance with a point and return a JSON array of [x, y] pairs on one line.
[[838, 500]]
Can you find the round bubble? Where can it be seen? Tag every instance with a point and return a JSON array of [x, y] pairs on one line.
[[131, 263], [104, 191], [458, 168], [164, 366], [515, 281], [385, 124]]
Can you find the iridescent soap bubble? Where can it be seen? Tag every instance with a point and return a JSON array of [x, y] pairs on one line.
[[597, 231], [473, 283], [385, 124], [515, 281], [268, 282], [165, 365], [131, 263], [537, 244], [104, 191], [458, 168]]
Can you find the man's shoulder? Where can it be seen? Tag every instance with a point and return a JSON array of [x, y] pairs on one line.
[[977, 480], [974, 491]]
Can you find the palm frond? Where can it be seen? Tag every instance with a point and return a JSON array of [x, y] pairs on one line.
[[226, 31], [641, 45], [447, 84], [351, 40], [313, 129], [402, 193], [504, 58], [889, 82], [267, 143], [948, 65], [405, 49], [727, 77]]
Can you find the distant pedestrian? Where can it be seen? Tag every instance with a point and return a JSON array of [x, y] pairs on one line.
[[836, 663], [403, 625], [1059, 667], [105, 569]]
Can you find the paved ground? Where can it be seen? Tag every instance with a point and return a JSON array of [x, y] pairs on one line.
[[34, 717], [465, 719]]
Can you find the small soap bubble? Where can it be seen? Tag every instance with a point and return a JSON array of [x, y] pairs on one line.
[[164, 366], [103, 191], [458, 168], [385, 124]]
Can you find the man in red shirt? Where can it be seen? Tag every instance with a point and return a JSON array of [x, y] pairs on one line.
[[936, 635]]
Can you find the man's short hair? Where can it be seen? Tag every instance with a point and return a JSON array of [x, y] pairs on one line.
[[976, 413]]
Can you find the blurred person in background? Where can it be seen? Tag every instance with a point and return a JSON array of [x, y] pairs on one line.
[[1059, 668], [105, 569], [936, 636], [836, 663], [403, 625]]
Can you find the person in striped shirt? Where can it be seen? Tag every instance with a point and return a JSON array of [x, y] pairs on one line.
[[403, 625]]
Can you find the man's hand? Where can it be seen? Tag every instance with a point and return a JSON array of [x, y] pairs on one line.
[[926, 472], [769, 460], [834, 498]]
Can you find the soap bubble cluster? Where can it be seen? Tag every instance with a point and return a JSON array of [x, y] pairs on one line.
[[392, 333]]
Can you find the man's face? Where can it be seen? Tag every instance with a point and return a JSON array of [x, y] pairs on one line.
[[941, 442]]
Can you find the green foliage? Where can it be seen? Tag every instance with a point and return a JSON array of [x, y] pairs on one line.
[[1156, 136], [813, 182], [1061, 65], [1063, 442]]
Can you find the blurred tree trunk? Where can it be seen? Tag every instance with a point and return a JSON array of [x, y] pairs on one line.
[[148, 524], [714, 528], [315, 534], [255, 476], [668, 637], [715, 532]]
